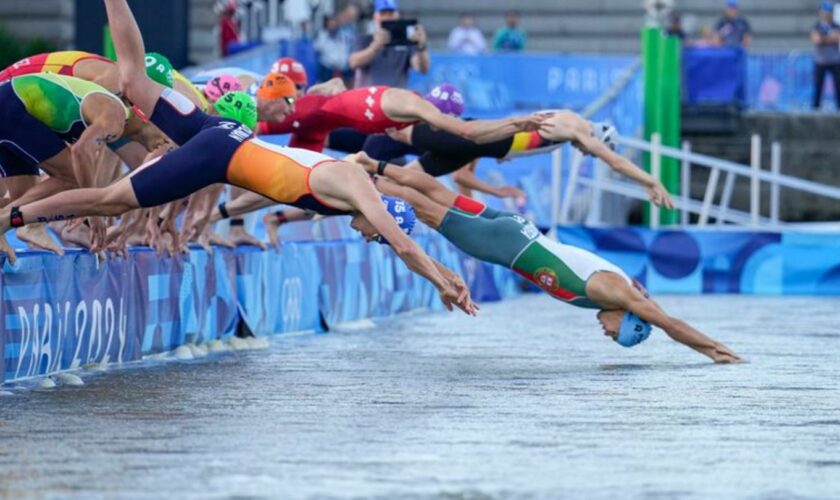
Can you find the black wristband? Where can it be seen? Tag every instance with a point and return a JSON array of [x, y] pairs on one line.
[[380, 167], [237, 222], [223, 211], [16, 217]]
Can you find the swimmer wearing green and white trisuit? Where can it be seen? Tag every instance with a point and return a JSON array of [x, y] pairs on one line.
[[567, 273]]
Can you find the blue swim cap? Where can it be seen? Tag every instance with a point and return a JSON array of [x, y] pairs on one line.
[[827, 7], [732, 4], [633, 330], [402, 212]]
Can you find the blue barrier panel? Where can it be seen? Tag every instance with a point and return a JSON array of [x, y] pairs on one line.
[[714, 75], [711, 261], [784, 82], [500, 82], [64, 312], [61, 313]]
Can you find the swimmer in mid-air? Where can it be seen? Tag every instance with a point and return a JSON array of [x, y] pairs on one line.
[[567, 273], [216, 150], [442, 153], [371, 110]]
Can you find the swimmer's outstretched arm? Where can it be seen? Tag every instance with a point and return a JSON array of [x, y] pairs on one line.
[[482, 131], [612, 291], [248, 202], [131, 57], [345, 186], [409, 107], [657, 193], [564, 126], [328, 88], [410, 177]]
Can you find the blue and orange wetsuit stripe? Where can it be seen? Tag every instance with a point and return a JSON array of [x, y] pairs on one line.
[[215, 150], [62, 63]]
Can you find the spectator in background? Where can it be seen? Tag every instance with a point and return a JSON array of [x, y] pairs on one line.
[[707, 38], [509, 36], [466, 38], [377, 63], [733, 29], [333, 50], [826, 36], [675, 26], [348, 20], [228, 27]]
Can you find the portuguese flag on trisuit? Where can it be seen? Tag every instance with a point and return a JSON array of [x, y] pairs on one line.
[[540, 266]]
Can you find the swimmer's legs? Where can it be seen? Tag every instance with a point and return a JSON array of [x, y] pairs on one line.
[[113, 200], [237, 234], [404, 106], [20, 184]]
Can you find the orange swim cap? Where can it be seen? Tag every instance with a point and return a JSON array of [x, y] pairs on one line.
[[276, 86]]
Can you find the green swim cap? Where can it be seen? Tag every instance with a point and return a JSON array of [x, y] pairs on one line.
[[159, 69], [238, 106]]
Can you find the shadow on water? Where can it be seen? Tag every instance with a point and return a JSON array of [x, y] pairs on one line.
[[658, 367]]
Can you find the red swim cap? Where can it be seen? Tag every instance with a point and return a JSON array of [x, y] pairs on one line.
[[291, 68]]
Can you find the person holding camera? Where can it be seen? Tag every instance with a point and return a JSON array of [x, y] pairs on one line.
[[385, 57]]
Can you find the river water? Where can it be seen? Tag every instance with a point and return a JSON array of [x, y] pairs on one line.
[[528, 401]]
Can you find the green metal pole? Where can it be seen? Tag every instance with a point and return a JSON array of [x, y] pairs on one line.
[[108, 44], [651, 41], [671, 119]]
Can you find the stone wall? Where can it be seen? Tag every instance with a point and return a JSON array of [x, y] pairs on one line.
[[809, 151]]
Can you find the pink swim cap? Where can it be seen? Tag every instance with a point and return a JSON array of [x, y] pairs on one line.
[[221, 85]]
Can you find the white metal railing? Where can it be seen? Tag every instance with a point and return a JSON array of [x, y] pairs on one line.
[[560, 209], [705, 208]]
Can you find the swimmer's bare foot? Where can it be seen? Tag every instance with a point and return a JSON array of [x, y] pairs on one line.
[[239, 237], [77, 236], [7, 249], [204, 241], [272, 225], [215, 239], [36, 236], [136, 240]]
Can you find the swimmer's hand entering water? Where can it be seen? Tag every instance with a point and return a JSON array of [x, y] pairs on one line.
[[612, 292], [464, 301]]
